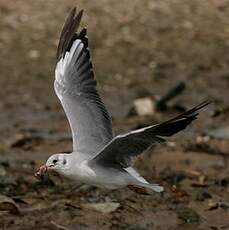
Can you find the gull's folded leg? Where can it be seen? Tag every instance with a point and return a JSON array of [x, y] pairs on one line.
[[138, 189], [142, 188]]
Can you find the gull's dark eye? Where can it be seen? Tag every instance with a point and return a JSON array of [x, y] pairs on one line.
[[54, 161]]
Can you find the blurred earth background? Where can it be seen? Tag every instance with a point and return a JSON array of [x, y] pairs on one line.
[[140, 49]]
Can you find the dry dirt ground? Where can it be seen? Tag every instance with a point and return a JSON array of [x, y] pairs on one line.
[[139, 48]]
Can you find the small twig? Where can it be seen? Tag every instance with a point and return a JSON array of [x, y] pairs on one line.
[[60, 226]]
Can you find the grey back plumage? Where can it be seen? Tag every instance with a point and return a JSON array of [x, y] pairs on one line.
[[75, 86]]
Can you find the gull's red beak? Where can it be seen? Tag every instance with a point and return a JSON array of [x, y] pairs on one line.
[[43, 170]]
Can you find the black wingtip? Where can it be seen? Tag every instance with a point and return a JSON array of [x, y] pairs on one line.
[[73, 11], [79, 15], [194, 111], [181, 121], [203, 104], [68, 32]]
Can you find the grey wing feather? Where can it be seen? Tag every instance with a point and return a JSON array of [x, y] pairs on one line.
[[75, 86], [121, 148]]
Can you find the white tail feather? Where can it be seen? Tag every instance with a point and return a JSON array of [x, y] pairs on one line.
[[143, 182], [154, 187], [136, 175]]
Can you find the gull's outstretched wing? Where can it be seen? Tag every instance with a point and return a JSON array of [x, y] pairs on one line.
[[121, 148], [75, 86]]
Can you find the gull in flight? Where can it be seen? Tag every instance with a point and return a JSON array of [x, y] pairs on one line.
[[98, 157]]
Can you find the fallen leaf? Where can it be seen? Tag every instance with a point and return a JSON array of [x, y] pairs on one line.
[[59, 226], [201, 182], [7, 204], [213, 205], [107, 207]]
